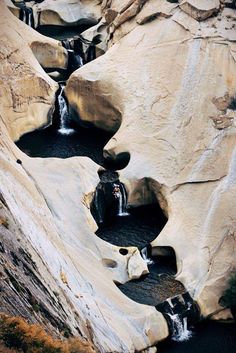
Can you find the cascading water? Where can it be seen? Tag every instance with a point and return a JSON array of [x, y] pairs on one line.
[[29, 19], [23, 15], [64, 114], [181, 332], [119, 193], [145, 256], [181, 313], [26, 16]]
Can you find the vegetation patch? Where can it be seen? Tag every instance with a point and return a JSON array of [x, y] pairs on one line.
[[17, 334], [229, 296]]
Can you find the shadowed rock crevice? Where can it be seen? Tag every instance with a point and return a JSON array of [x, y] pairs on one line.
[[165, 255]]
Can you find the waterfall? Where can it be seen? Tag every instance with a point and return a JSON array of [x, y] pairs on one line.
[[119, 193], [66, 44], [75, 61], [181, 313], [64, 115], [181, 332], [23, 15], [79, 60], [145, 256], [29, 19], [26, 16]]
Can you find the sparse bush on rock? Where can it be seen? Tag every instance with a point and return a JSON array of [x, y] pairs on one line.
[[229, 296]]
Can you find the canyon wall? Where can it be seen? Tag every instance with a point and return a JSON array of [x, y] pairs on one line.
[[166, 87], [54, 269]]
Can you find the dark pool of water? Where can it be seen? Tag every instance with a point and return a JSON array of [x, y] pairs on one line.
[[138, 229], [49, 143], [208, 337], [155, 287], [62, 32]]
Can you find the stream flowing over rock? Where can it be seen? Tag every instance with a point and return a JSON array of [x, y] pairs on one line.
[[164, 84]]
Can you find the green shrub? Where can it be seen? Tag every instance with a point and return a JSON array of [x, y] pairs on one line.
[[229, 296]]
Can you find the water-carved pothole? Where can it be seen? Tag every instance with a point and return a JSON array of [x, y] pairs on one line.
[[64, 139], [62, 32], [138, 228], [49, 143], [135, 227]]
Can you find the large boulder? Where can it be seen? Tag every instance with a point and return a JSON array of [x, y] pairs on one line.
[[174, 105], [200, 9], [68, 13]]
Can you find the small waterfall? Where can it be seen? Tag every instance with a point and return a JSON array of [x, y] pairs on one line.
[[78, 60], [66, 44], [23, 15], [109, 200], [75, 61], [64, 115], [145, 256], [119, 193], [26, 15], [181, 313], [29, 19], [181, 332]]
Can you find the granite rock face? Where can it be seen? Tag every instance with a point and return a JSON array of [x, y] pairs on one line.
[[27, 92], [167, 88], [52, 264], [167, 85]]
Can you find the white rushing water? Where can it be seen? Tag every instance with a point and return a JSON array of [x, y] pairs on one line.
[[24, 15], [63, 111], [30, 19], [120, 194], [144, 254], [79, 60], [181, 328]]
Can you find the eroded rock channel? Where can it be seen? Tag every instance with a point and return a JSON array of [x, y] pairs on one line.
[[117, 224], [120, 224]]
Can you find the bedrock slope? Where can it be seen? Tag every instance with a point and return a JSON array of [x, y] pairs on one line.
[[170, 85]]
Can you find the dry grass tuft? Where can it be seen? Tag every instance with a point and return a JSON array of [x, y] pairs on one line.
[[19, 335]]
